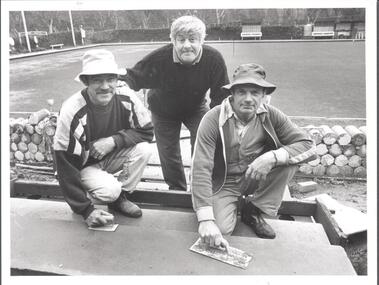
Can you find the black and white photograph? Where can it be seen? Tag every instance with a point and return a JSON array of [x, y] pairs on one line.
[[163, 141]]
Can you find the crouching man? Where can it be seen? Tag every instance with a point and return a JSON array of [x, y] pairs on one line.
[[102, 131], [244, 147]]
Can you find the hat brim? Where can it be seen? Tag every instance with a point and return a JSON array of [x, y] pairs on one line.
[[255, 81], [120, 71]]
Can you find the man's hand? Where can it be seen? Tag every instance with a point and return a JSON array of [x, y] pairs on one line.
[[99, 218], [211, 235], [102, 147], [261, 166]]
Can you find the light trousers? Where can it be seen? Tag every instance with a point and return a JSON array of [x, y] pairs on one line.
[[266, 195], [119, 171]]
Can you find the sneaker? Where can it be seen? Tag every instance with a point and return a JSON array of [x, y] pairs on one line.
[[252, 216], [125, 207]]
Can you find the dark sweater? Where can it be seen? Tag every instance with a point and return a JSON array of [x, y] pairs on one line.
[[176, 90], [118, 119]]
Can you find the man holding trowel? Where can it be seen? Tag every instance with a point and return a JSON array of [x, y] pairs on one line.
[[244, 147], [102, 130]]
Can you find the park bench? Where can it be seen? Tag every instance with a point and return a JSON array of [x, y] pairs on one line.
[[323, 31], [56, 45], [251, 31]]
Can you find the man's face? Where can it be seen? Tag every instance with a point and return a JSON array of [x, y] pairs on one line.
[[187, 46], [246, 99], [101, 88]]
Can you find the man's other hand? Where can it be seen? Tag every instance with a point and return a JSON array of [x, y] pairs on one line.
[[261, 166], [99, 218], [102, 147], [210, 234]]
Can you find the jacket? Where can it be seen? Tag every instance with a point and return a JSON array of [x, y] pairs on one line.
[[291, 145], [72, 140]]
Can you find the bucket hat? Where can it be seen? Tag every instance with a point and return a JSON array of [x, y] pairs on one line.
[[99, 61], [250, 73]]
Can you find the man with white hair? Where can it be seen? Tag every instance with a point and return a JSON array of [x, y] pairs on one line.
[[102, 130], [179, 75]]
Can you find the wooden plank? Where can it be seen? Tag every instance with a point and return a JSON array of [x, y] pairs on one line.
[[297, 208], [43, 188], [170, 198], [323, 216]]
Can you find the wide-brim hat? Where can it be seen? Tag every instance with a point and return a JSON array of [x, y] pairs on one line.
[[99, 61], [250, 73]]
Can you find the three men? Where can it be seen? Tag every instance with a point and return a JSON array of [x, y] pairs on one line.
[[244, 147], [101, 131], [179, 75]]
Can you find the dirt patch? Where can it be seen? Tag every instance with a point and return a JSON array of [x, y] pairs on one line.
[[349, 193]]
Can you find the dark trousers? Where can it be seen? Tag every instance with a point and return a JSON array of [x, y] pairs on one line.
[[167, 134]]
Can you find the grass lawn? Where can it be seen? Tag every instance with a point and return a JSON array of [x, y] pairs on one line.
[[313, 78]]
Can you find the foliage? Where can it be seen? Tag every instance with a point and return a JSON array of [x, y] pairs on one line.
[[59, 21]]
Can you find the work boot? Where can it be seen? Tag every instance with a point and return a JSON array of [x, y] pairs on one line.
[[125, 207], [252, 216]]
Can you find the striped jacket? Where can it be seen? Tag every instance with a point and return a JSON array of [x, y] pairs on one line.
[[290, 144], [72, 140], [72, 129]]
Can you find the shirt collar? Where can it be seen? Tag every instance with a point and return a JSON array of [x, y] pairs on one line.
[[176, 58]]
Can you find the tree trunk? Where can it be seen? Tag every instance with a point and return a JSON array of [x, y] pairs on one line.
[[19, 155], [332, 170], [36, 138], [314, 133], [343, 137], [305, 168], [327, 159], [328, 136], [39, 156], [25, 137], [32, 148], [335, 150], [341, 160], [22, 147], [349, 150], [361, 150], [321, 149], [355, 161], [319, 170], [346, 171], [357, 136], [360, 171]]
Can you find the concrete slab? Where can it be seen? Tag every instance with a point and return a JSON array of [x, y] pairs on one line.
[[185, 220], [68, 247], [349, 220]]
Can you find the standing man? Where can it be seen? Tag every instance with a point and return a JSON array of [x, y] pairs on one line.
[[102, 130], [244, 147], [179, 75]]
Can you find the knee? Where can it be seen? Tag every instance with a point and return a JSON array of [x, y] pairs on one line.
[[144, 150], [108, 192], [226, 226]]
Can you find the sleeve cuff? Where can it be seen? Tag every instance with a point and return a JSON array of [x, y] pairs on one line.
[[282, 156], [119, 141], [88, 211], [205, 213]]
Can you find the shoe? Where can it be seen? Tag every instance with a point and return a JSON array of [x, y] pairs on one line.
[[252, 216], [125, 207]]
